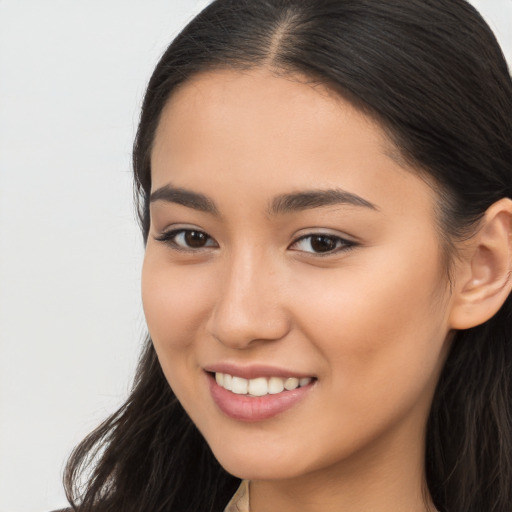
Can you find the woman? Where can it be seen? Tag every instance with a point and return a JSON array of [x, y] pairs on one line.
[[324, 195]]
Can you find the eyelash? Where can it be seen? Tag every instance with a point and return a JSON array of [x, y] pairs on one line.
[[341, 244], [169, 238]]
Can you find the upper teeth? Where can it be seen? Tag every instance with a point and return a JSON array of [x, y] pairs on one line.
[[260, 386]]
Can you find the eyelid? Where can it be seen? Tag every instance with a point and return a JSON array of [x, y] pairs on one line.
[[346, 243], [168, 237]]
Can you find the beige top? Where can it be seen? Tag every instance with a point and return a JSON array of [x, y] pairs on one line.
[[240, 501]]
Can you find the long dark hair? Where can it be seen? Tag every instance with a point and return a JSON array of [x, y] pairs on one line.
[[433, 75]]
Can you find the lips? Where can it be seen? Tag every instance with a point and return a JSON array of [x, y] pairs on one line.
[[256, 394]]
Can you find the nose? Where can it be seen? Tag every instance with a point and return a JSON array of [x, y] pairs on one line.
[[249, 306]]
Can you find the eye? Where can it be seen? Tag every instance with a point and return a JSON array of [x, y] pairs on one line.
[[321, 243], [187, 239]]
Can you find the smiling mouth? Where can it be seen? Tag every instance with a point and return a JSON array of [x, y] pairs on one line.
[[259, 386]]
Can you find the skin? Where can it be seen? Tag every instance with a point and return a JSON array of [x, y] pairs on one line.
[[369, 320]]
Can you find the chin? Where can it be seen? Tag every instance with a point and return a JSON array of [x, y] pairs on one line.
[[264, 471], [260, 463]]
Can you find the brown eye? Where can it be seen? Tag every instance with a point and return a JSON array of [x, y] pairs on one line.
[[320, 243], [195, 239], [187, 239]]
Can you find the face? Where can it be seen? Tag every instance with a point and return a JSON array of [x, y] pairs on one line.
[[293, 282]]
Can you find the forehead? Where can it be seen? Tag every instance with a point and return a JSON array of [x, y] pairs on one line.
[[260, 97], [275, 134]]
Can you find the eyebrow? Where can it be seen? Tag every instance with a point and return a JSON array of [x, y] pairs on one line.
[[306, 200], [184, 197], [282, 204]]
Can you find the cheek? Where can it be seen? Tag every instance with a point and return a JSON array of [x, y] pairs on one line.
[[175, 302], [175, 299], [379, 325]]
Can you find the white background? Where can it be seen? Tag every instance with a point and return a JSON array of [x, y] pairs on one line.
[[72, 75]]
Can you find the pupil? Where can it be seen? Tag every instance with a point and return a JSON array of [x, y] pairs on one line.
[[323, 244], [195, 239]]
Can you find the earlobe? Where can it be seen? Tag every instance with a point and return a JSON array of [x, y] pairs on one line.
[[485, 271]]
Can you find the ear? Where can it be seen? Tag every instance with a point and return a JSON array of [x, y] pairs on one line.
[[483, 275]]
